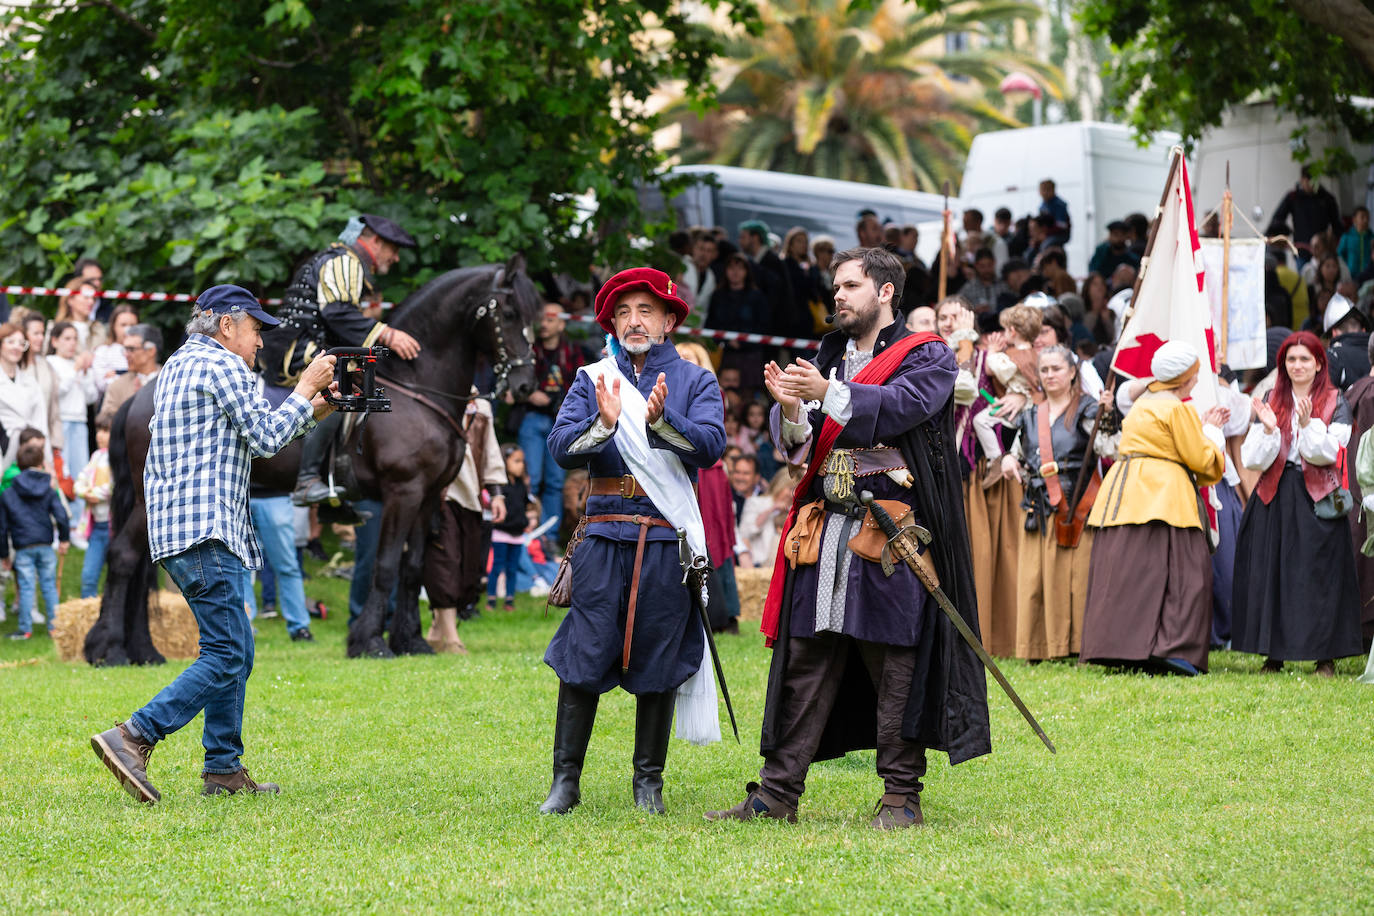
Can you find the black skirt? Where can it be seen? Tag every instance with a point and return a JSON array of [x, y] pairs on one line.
[[1295, 596]]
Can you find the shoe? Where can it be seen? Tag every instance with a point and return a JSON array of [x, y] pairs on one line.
[[309, 491], [126, 756], [571, 731], [79, 542], [895, 812], [303, 635], [318, 609], [732, 628], [39, 618], [234, 783], [18, 635], [1271, 666], [757, 803], [1177, 666], [539, 589], [509, 606], [269, 613], [653, 725], [316, 550], [1326, 668]]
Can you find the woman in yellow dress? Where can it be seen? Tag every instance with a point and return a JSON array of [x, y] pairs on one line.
[[1150, 580]]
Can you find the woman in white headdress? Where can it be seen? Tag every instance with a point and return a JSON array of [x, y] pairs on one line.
[[1150, 581]]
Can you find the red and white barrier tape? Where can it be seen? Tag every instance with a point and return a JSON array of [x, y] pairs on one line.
[[135, 295]]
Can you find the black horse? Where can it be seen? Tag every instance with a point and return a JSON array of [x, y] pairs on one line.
[[404, 458]]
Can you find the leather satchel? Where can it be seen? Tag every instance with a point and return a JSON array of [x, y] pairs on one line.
[[803, 540], [560, 592], [870, 540]]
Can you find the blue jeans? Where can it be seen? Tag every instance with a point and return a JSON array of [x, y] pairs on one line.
[[367, 536], [74, 457], [546, 475], [95, 559], [30, 564], [505, 559], [211, 579], [274, 519]]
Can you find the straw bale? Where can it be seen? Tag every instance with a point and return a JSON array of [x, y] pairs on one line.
[[170, 621]]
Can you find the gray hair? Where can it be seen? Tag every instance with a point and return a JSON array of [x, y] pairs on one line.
[[148, 334], [207, 322]]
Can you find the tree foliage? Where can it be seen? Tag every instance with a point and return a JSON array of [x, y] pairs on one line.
[[1182, 63], [851, 89], [187, 142]]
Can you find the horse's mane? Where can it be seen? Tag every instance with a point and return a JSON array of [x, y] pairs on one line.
[[419, 316]]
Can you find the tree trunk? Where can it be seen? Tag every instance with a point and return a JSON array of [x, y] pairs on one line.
[[1350, 20]]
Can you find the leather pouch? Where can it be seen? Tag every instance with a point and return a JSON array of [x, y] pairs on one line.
[[870, 540], [803, 539]]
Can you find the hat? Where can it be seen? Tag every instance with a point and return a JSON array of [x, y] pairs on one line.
[[1339, 309], [228, 300], [756, 226], [1040, 300], [646, 278], [388, 230], [1173, 365]]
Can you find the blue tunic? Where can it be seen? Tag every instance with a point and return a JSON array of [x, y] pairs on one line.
[[668, 639]]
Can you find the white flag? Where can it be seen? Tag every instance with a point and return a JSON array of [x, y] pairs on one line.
[[1172, 304]]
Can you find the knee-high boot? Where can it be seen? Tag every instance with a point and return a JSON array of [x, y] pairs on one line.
[[653, 725], [572, 731]]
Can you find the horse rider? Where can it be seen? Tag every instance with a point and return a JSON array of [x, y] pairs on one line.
[[325, 307]]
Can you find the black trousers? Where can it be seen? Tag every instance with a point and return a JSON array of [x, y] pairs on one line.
[[815, 669]]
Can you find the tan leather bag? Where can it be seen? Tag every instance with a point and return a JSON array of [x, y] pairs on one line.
[[803, 539], [870, 540]]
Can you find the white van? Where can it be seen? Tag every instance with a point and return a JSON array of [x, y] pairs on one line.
[[820, 205], [1098, 169]]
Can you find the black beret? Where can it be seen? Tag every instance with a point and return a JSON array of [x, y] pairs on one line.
[[388, 230]]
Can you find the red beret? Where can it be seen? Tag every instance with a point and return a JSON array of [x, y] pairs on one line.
[[646, 278]]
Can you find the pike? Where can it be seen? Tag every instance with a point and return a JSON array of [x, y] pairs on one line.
[[694, 577], [900, 543]]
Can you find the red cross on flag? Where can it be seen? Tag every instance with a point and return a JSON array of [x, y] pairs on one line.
[[1171, 303]]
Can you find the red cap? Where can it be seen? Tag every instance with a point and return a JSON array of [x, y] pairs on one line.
[[646, 278]]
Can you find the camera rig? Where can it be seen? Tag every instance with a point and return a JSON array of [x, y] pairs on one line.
[[355, 369]]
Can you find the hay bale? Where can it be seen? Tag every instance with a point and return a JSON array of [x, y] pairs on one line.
[[753, 589], [170, 621]]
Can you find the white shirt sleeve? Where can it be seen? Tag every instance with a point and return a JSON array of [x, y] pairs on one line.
[[1260, 448], [592, 438], [1320, 444], [837, 405], [965, 388], [794, 434], [665, 431], [1001, 367], [1214, 435], [1091, 381]]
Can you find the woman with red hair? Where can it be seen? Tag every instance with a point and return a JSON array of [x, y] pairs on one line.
[[1296, 596]]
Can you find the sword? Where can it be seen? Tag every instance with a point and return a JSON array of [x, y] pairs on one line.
[[694, 569], [899, 544]]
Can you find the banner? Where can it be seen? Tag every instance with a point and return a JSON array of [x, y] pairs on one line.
[[1245, 340]]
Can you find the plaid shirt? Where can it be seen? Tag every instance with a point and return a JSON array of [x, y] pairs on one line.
[[209, 422]]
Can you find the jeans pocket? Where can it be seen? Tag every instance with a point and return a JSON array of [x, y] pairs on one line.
[[187, 571]]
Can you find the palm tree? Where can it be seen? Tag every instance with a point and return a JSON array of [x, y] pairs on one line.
[[852, 90]]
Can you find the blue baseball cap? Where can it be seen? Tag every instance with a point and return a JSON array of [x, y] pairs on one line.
[[227, 300]]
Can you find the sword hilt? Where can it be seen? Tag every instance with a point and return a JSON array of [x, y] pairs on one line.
[[881, 515]]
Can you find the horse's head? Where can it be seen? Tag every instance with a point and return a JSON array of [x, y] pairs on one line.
[[504, 328]]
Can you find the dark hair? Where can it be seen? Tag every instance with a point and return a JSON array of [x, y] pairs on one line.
[[1043, 219], [102, 421], [983, 254], [735, 257], [30, 456], [123, 308], [879, 265], [679, 240], [1139, 224], [1054, 256], [57, 328], [1002, 213], [752, 459], [1360, 209], [29, 433], [975, 213], [1054, 316], [82, 263], [1011, 265], [148, 334]]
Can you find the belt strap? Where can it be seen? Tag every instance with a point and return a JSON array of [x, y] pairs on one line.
[[632, 519], [624, 486], [634, 600], [1049, 469]]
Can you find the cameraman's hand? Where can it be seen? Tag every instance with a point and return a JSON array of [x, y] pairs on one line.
[[320, 406], [316, 376]]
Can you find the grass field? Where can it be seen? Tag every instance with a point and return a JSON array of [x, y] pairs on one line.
[[411, 785]]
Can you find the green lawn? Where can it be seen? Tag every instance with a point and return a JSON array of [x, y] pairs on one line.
[[412, 785]]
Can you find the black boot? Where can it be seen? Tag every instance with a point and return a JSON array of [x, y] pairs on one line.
[[653, 724], [310, 488], [571, 732]]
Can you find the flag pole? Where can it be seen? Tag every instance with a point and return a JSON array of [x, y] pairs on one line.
[[1085, 471], [1226, 219], [944, 250]]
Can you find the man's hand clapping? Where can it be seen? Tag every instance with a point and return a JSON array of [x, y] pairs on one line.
[[608, 401], [657, 398], [772, 380]]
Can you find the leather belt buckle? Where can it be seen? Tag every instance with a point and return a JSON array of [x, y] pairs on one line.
[[637, 519], [627, 486], [1049, 470]]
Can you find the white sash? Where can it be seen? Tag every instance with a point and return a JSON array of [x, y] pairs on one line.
[[664, 480]]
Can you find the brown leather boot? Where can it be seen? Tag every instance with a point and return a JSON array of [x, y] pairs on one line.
[[126, 756], [757, 803], [895, 812], [234, 783]]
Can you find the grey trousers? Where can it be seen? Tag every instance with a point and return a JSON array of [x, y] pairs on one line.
[[815, 669]]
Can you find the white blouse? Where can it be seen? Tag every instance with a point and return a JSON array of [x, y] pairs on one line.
[[1316, 443]]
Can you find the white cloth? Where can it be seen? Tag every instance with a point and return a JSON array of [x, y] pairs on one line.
[[1172, 359], [665, 482], [75, 390], [1316, 443]]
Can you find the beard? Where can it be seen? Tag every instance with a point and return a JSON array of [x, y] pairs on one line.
[[855, 322], [638, 349]]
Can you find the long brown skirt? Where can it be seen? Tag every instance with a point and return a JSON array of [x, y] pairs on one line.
[[1051, 593], [1149, 595], [995, 524]]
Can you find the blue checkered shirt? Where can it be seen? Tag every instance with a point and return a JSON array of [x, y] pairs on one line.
[[209, 422]]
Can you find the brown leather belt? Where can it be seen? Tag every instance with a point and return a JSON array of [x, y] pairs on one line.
[[878, 460], [644, 522], [624, 486]]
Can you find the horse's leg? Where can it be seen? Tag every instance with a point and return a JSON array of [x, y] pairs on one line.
[[405, 624], [105, 643], [399, 506], [138, 640]]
